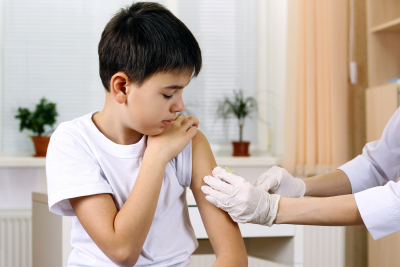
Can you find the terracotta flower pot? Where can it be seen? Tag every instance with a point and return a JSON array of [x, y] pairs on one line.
[[241, 149], [41, 143]]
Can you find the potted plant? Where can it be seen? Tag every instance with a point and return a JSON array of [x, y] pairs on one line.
[[241, 108], [45, 114]]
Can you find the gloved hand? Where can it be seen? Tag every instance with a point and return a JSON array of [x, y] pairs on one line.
[[278, 181], [244, 202]]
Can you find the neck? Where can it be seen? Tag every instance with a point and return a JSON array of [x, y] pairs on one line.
[[114, 129]]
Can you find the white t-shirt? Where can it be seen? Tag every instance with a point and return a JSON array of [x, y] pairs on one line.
[[81, 161]]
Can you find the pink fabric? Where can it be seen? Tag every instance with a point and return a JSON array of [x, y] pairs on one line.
[[316, 133]]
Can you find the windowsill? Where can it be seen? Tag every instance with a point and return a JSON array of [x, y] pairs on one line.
[[252, 161], [22, 162]]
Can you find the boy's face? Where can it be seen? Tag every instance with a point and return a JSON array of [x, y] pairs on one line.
[[152, 106]]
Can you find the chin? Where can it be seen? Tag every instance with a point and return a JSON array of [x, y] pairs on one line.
[[155, 131]]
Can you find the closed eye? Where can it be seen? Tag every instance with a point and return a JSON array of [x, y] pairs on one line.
[[167, 96]]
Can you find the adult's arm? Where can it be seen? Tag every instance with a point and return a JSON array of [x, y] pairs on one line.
[[370, 177], [329, 211], [330, 184], [224, 234]]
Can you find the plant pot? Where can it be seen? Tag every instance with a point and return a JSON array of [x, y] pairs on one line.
[[241, 149], [41, 143]]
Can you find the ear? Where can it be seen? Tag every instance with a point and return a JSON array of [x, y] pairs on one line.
[[118, 87]]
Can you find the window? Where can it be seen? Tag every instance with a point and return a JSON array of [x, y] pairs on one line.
[[50, 50]]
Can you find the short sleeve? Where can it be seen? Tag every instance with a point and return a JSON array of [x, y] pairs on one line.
[[183, 164], [72, 171]]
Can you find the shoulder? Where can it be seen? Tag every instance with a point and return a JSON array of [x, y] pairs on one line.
[[74, 127], [70, 141], [199, 140], [76, 132]]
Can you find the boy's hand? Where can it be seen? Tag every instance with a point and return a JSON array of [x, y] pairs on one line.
[[174, 138]]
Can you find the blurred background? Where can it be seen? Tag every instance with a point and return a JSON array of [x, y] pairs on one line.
[[50, 50]]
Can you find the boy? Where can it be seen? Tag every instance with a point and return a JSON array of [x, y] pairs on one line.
[[123, 172]]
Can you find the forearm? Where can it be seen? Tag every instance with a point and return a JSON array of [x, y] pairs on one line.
[[231, 260], [132, 223], [330, 211], [334, 183]]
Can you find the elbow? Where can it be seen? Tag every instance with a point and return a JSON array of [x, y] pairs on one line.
[[125, 257], [237, 259]]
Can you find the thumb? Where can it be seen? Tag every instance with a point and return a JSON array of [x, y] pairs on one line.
[[215, 202], [267, 183], [227, 176]]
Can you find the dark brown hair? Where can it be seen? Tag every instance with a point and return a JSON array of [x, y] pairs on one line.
[[144, 39]]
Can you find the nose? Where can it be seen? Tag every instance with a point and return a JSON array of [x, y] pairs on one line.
[[178, 105]]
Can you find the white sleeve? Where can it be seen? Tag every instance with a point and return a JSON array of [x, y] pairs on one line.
[[183, 164], [72, 171], [379, 162], [380, 209]]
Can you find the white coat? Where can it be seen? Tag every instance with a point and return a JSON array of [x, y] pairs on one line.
[[373, 176]]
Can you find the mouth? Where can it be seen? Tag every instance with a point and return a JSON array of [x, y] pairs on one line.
[[168, 122]]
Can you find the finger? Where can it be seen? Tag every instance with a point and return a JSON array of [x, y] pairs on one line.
[[193, 120], [191, 132], [206, 189], [226, 176], [217, 184], [181, 119], [216, 170], [189, 122], [215, 202], [221, 197], [261, 179], [267, 183]]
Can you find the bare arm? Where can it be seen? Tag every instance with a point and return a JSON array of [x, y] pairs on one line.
[[224, 234], [336, 207], [121, 234], [334, 211], [116, 233], [335, 183]]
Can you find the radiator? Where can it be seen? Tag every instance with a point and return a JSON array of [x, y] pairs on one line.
[[15, 238], [323, 246]]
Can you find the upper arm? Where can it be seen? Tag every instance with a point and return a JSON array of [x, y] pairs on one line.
[[96, 213], [224, 234]]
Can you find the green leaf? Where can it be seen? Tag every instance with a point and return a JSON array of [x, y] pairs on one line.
[[239, 106], [45, 114]]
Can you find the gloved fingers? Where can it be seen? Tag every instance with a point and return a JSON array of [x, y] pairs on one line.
[[221, 197], [261, 179], [225, 208], [271, 180], [215, 202], [266, 183], [217, 184], [227, 176], [292, 187]]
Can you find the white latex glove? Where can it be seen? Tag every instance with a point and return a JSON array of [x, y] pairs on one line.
[[244, 202], [278, 181]]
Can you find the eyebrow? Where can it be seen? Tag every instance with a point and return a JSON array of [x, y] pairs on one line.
[[176, 86]]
